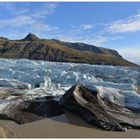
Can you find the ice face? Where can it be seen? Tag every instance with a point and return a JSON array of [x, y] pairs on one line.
[[54, 78], [65, 74]]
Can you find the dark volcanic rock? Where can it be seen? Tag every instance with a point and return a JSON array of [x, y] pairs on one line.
[[23, 110], [98, 111]]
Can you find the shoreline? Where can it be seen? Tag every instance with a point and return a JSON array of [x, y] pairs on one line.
[[68, 125]]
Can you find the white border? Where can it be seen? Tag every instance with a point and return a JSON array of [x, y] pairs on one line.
[[69, 1]]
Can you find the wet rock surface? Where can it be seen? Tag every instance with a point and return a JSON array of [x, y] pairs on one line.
[[98, 110]]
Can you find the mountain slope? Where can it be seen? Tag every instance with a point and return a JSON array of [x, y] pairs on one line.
[[31, 47], [91, 48]]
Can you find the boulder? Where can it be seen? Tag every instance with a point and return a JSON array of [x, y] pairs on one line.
[[99, 110], [23, 110]]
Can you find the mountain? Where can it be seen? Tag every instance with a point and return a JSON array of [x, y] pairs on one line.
[[31, 37], [91, 48], [32, 47]]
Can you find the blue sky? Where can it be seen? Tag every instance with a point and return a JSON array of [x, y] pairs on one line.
[[105, 24]]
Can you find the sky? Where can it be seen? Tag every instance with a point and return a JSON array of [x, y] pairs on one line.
[[114, 25]]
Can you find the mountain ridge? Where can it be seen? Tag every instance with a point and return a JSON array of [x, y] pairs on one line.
[[31, 37], [35, 48]]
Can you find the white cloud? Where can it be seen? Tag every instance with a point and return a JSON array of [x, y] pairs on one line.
[[13, 9], [33, 18], [131, 54], [86, 27], [134, 60], [18, 21], [42, 28], [90, 39], [22, 11], [7, 5], [37, 11], [26, 18], [82, 33], [82, 28], [45, 10], [130, 24]]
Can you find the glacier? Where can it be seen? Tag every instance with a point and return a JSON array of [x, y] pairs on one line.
[[41, 78]]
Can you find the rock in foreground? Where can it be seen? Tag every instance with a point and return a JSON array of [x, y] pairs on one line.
[[22, 109], [100, 110]]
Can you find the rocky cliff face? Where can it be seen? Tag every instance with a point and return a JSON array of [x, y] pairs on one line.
[[32, 47]]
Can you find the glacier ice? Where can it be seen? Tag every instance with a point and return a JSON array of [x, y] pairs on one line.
[[38, 78]]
